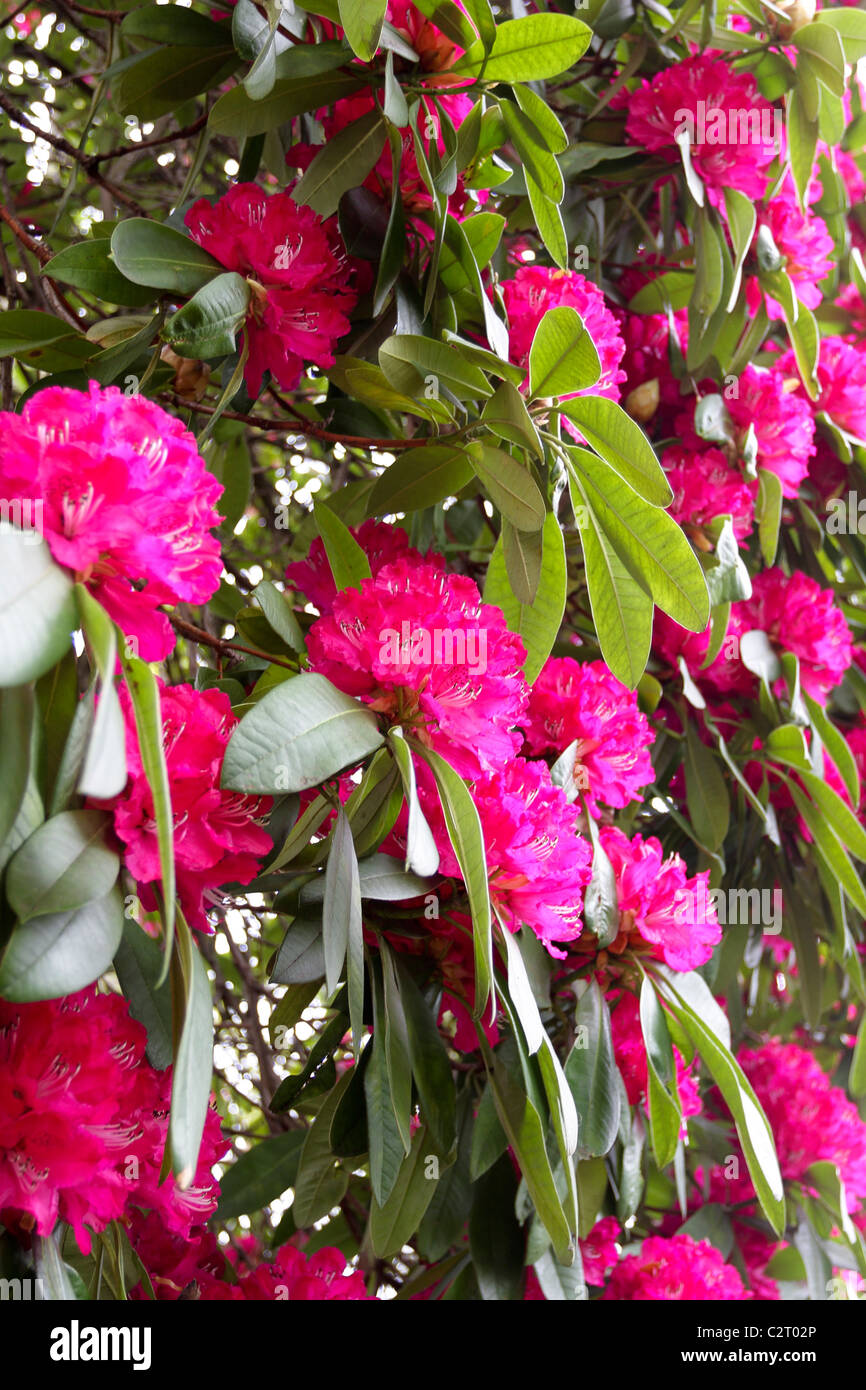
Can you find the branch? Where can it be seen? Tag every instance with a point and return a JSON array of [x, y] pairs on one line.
[[351, 441], [221, 644]]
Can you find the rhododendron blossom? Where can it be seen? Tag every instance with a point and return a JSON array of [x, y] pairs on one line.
[[217, 836], [706, 486], [579, 702], [420, 647], [802, 238], [122, 496], [538, 864], [83, 1121], [675, 1268], [841, 377], [658, 903], [730, 126], [381, 544], [296, 265], [535, 289], [631, 1058]]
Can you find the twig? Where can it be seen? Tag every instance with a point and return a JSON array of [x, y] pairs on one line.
[[221, 644], [352, 441]]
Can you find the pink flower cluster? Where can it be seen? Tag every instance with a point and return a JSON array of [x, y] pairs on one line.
[[705, 486], [579, 702], [419, 646], [297, 268], [797, 615], [381, 543], [675, 1268], [83, 1121], [126, 502], [631, 1058], [217, 838]]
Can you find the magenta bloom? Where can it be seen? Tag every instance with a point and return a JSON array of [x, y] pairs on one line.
[[811, 1120], [659, 903], [599, 1252], [83, 1120], [380, 542], [676, 1268], [705, 486], [301, 1278], [803, 239], [631, 1058], [706, 97], [299, 274], [421, 647], [538, 863], [126, 502], [572, 701], [841, 384], [217, 838], [796, 614], [535, 289]]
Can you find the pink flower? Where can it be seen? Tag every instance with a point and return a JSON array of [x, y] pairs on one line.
[[802, 238], [768, 400], [797, 616], [83, 1120], [126, 502], [705, 486], [535, 289], [538, 864], [299, 1278], [421, 647], [300, 280], [841, 384], [584, 702], [677, 1269], [659, 904], [811, 1121], [380, 542], [631, 1058], [708, 99], [217, 838]]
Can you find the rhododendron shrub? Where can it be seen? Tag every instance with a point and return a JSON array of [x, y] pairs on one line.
[[433, 654]]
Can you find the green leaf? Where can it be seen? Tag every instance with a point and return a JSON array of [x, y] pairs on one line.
[[621, 443], [753, 1130], [17, 708], [647, 541], [542, 118], [496, 1240], [742, 217], [349, 564], [104, 771], [420, 478], [394, 246], [821, 46], [62, 866], [538, 622], [208, 324], [343, 163], [591, 1073], [193, 1064], [706, 792], [343, 931], [622, 610], [664, 1112], [297, 736], [422, 856], [173, 24], [600, 905], [37, 607], [563, 356], [536, 159], [22, 330], [301, 957], [430, 1065], [386, 1145], [61, 952], [769, 513], [161, 258], [837, 747], [160, 78], [261, 1175], [320, 1184], [275, 606], [144, 693], [467, 839], [138, 966], [506, 415], [527, 50], [396, 1046], [445, 1218], [510, 486], [548, 220], [362, 23], [312, 84], [88, 266], [393, 1224], [412, 364]]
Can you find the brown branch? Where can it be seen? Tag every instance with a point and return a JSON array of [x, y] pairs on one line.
[[134, 146], [41, 252], [222, 644], [352, 441]]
